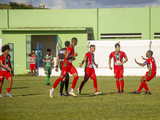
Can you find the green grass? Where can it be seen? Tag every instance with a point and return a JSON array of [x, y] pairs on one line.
[[31, 101]]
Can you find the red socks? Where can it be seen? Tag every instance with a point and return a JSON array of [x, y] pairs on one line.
[[0, 90], [8, 90], [56, 82], [118, 85], [122, 84], [95, 85], [143, 84], [74, 82]]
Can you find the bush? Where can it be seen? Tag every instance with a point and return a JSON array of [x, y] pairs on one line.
[[14, 5]]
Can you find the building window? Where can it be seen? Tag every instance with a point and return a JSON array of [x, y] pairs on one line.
[[156, 35]]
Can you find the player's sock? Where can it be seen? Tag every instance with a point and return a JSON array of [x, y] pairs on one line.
[[47, 79], [56, 82], [0, 90], [140, 87], [82, 84], [71, 90], [74, 82], [66, 84], [122, 84], [118, 85], [8, 90], [61, 86], [146, 87], [95, 85]]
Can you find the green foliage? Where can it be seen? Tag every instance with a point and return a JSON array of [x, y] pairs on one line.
[[31, 100], [14, 5]]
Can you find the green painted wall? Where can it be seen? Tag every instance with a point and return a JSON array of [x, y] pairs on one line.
[[124, 20], [3, 19]]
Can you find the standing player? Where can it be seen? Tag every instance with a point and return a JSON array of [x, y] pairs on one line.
[[5, 69], [118, 66], [151, 65], [65, 80], [68, 67], [48, 65], [89, 70], [33, 62]]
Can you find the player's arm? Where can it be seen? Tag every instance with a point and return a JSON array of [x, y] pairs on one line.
[[109, 62], [84, 60], [52, 63], [11, 69], [30, 53], [68, 55], [144, 58], [44, 63], [141, 64], [95, 64], [8, 68], [57, 61], [125, 60]]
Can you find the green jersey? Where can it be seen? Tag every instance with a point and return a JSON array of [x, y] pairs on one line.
[[48, 60]]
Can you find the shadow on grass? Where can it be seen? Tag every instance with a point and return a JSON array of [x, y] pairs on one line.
[[29, 94], [19, 87], [92, 95], [112, 93]]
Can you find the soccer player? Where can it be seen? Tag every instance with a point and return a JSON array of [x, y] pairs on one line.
[[33, 58], [48, 63], [68, 67], [89, 70], [118, 66], [151, 65], [5, 69], [65, 80]]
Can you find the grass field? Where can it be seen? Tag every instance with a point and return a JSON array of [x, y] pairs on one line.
[[31, 101]]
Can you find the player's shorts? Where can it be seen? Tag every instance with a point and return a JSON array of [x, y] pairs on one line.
[[48, 70], [32, 66], [118, 72], [67, 75], [90, 73], [4, 74], [71, 69], [147, 77]]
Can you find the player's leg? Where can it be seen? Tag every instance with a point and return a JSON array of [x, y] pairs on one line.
[[61, 87], [121, 80], [116, 75], [66, 84], [93, 76], [9, 78], [35, 69], [1, 83], [31, 68], [86, 77], [73, 71]]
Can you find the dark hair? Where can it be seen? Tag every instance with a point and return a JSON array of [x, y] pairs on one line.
[[67, 43], [151, 52], [92, 46], [74, 39], [117, 44], [48, 50], [5, 47]]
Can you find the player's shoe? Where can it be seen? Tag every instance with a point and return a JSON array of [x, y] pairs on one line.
[[147, 93], [1, 95], [136, 92], [47, 83], [34, 74], [66, 93], [98, 93], [51, 93], [121, 91], [72, 93], [79, 91], [60, 94], [8, 95]]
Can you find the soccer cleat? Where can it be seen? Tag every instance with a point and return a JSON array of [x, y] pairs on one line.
[[72, 93], [98, 93], [79, 91], [1, 95], [60, 94], [34, 74], [136, 92], [147, 93], [8, 95], [66, 93], [48, 84], [51, 93], [121, 91]]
